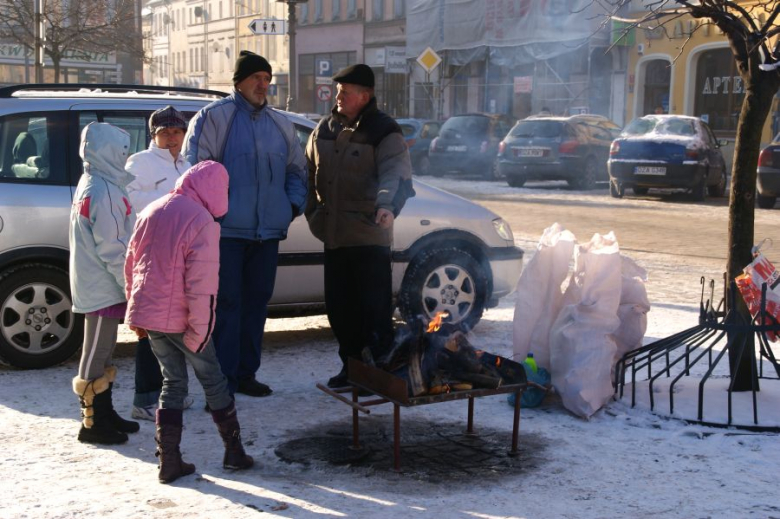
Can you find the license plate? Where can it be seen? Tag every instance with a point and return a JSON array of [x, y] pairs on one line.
[[457, 148], [528, 152], [650, 170]]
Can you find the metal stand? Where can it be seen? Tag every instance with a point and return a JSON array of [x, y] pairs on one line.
[[674, 358]]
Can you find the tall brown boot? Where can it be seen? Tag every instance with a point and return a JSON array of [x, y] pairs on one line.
[[230, 431], [96, 424], [168, 437]]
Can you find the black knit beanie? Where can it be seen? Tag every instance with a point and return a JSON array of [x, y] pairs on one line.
[[247, 64]]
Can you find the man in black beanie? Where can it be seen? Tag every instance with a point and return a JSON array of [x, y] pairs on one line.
[[262, 154], [360, 176]]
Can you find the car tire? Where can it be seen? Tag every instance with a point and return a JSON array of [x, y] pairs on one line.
[[516, 180], [423, 166], [766, 202], [615, 190], [587, 181], [493, 172], [38, 328], [719, 189], [446, 279], [640, 191], [699, 192]]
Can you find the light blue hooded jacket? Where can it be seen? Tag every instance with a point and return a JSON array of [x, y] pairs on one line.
[[263, 156], [101, 220]]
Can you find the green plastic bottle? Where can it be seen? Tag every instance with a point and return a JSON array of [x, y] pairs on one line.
[[530, 361]]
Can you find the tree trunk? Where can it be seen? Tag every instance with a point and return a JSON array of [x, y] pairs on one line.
[[56, 64], [755, 109]]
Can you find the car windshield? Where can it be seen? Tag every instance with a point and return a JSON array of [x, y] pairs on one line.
[[407, 129], [470, 124], [539, 128], [660, 125]]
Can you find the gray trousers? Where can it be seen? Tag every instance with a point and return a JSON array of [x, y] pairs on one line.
[[99, 343]]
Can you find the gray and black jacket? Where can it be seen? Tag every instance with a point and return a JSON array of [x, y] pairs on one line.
[[353, 171]]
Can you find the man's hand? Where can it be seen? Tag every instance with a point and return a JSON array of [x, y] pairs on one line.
[[384, 218], [140, 332]]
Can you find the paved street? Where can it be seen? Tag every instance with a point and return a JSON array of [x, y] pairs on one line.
[[689, 239]]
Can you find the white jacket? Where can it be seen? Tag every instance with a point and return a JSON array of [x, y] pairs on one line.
[[155, 173]]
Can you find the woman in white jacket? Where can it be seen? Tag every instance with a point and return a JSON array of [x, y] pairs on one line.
[[156, 171]]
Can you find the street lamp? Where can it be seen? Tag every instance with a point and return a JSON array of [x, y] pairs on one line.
[[292, 67]]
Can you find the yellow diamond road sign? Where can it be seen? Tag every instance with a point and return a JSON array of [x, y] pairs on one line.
[[429, 60]]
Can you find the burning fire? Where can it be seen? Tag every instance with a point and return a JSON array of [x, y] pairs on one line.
[[435, 324]]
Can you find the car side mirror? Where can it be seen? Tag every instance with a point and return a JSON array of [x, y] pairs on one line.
[[723, 142]]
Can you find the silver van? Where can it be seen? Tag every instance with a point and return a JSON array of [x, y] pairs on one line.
[[448, 253]]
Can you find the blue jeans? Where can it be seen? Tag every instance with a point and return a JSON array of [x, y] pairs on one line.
[[247, 272], [173, 355], [148, 378]]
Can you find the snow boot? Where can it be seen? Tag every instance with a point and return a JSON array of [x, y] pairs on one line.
[[168, 437], [230, 431], [120, 424], [96, 425]]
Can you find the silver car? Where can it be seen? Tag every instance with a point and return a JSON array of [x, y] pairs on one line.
[[448, 253]]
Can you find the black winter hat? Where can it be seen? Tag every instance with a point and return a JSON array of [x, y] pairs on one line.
[[359, 74], [247, 64]]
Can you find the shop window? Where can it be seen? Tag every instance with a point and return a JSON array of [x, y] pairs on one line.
[[719, 91]]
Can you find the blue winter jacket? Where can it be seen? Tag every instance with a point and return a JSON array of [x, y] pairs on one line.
[[263, 156]]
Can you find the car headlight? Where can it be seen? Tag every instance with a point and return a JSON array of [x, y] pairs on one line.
[[503, 229]]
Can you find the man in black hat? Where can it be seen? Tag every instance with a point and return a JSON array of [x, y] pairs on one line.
[[360, 176], [262, 154]]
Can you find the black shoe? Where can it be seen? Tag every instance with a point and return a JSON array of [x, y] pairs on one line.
[[252, 387], [339, 380]]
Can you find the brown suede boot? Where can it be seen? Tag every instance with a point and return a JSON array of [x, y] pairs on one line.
[[168, 437], [96, 424], [230, 431]]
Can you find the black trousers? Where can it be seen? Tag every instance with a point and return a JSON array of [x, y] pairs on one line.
[[359, 298]]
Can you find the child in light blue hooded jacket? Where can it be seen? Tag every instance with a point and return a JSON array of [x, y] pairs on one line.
[[101, 222]]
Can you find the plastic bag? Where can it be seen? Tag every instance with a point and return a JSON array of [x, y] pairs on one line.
[[759, 272], [533, 396], [582, 348], [539, 294], [633, 308]]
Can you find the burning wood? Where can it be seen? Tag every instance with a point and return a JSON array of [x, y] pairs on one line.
[[438, 358]]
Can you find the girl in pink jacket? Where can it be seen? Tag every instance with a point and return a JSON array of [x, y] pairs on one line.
[[172, 275]]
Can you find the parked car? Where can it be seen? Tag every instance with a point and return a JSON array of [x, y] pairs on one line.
[[667, 151], [449, 254], [418, 134], [574, 149], [468, 143], [768, 177]]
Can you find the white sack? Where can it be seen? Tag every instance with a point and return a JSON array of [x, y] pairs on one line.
[[581, 345], [633, 309], [539, 294]]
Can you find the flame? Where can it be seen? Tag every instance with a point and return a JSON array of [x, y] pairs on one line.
[[435, 324], [498, 361]]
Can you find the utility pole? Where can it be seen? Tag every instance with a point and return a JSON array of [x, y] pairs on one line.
[[293, 59], [38, 29], [201, 11]]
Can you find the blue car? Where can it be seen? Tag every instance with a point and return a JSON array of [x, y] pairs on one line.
[[667, 151], [418, 134]]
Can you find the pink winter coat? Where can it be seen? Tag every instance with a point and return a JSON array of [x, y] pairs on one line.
[[172, 265]]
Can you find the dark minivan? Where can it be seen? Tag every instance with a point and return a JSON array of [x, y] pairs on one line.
[[468, 143], [574, 149]]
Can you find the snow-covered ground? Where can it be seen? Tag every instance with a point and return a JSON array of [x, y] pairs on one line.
[[624, 462]]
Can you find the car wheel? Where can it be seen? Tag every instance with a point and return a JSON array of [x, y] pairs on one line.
[[699, 192], [450, 280], [588, 179], [766, 202], [37, 326], [423, 166], [516, 180], [719, 189], [493, 173], [616, 190], [640, 191]]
